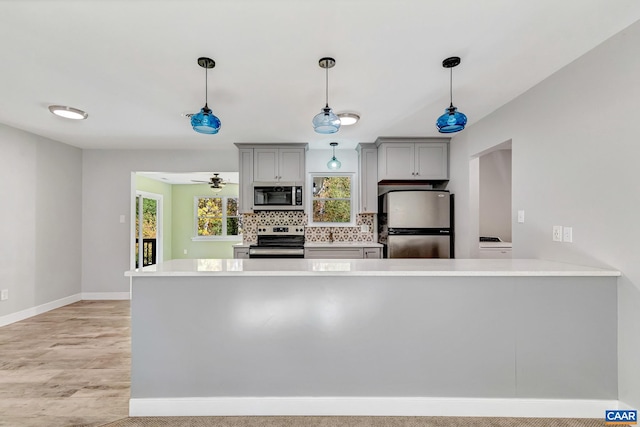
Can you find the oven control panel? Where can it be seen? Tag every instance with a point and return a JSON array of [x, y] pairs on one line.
[[280, 230]]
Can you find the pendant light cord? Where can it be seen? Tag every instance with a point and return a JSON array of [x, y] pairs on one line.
[[326, 87], [206, 87], [451, 86]]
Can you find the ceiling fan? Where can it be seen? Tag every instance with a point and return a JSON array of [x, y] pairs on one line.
[[215, 182]]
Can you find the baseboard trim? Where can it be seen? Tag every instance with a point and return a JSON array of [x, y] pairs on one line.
[[95, 296], [370, 406], [39, 309]]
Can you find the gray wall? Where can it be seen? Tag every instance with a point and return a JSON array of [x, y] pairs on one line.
[[575, 163], [495, 194], [107, 193], [40, 221]]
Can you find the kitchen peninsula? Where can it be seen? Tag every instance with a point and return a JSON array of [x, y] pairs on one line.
[[373, 337]]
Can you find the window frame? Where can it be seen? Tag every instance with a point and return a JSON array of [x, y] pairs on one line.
[[352, 204], [224, 236]]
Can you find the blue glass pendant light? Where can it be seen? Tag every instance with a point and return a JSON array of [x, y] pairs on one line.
[[326, 121], [452, 120], [204, 121], [334, 164]]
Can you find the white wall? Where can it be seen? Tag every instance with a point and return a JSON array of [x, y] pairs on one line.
[[40, 221], [495, 194], [106, 194], [575, 163]]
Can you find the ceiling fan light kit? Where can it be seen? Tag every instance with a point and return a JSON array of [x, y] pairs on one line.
[[215, 182], [205, 121], [452, 120], [326, 121]]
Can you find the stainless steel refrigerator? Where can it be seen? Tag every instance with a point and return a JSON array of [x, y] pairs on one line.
[[416, 223]]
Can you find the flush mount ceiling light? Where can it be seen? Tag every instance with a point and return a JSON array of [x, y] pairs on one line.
[[326, 121], [334, 163], [68, 112], [348, 119], [452, 120], [204, 121]]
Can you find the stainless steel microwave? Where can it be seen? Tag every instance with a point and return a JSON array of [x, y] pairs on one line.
[[283, 196]]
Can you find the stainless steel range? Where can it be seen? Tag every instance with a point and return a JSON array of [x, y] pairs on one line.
[[279, 241]]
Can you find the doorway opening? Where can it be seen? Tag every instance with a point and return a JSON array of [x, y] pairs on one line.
[[490, 190], [148, 229]]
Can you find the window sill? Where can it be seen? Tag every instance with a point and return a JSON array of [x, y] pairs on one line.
[[217, 239]]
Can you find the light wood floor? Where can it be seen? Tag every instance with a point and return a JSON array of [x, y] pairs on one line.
[[66, 367]]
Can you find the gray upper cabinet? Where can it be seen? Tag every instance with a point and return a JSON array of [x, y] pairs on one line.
[[268, 163], [413, 158], [368, 172], [278, 164], [245, 196]]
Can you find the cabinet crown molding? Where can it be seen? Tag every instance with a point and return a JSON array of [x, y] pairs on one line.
[[304, 145], [412, 139]]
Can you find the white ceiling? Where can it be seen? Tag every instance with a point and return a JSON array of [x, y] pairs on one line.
[[131, 64]]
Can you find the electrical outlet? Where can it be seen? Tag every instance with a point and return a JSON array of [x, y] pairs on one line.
[[4, 295], [567, 234], [364, 228], [557, 233], [521, 217], [185, 251]]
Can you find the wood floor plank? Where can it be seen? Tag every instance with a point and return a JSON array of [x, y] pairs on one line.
[[67, 367]]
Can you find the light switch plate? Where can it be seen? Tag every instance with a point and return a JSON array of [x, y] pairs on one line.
[[521, 217], [4, 295], [567, 234], [557, 233], [364, 228]]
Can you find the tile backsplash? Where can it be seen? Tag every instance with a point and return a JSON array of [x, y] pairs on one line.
[[250, 223]]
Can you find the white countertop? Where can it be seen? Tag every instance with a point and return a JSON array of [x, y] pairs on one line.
[[368, 267]]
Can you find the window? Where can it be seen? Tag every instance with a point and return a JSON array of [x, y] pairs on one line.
[[216, 218], [332, 200]]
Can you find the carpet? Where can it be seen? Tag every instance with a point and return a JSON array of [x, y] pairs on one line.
[[353, 422]]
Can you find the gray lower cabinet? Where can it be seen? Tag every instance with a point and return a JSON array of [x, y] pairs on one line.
[[241, 252], [342, 253], [372, 253]]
